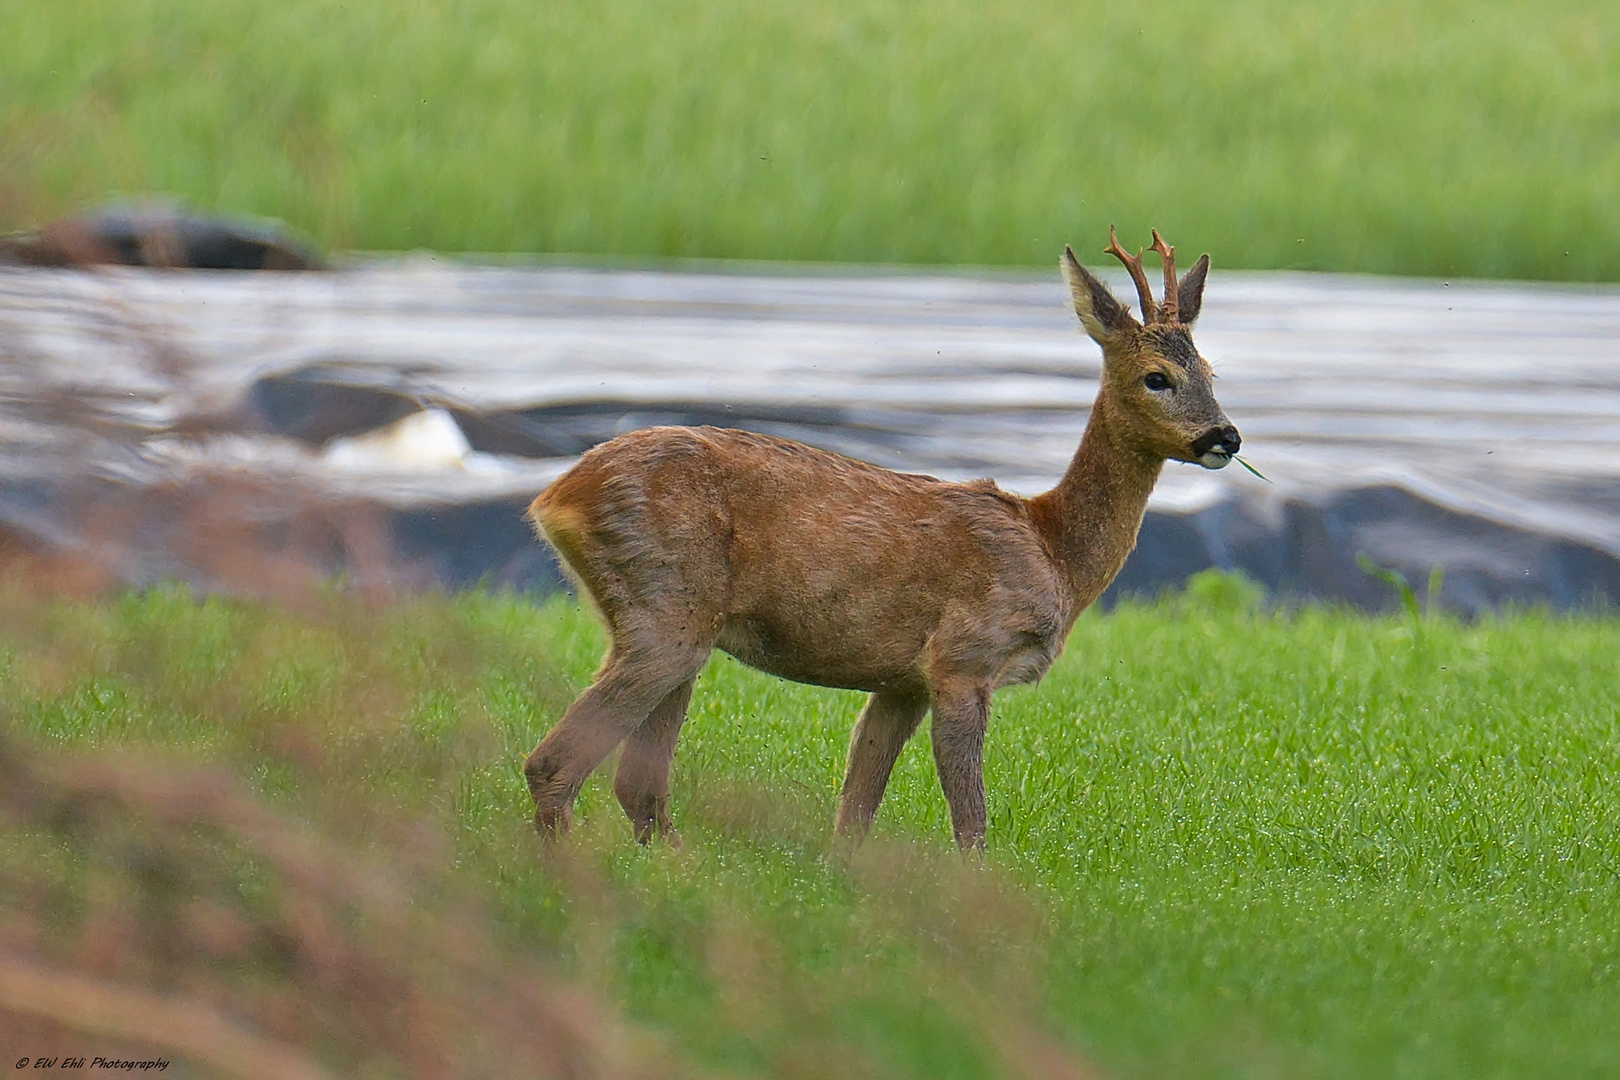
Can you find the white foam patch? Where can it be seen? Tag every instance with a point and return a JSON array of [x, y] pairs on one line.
[[427, 441]]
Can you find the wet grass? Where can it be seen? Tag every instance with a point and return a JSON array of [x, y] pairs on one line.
[[1224, 841], [1443, 138]]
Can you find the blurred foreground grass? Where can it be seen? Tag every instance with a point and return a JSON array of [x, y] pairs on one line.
[[1224, 842], [1436, 138]]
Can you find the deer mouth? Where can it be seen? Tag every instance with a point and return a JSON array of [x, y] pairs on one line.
[[1215, 448]]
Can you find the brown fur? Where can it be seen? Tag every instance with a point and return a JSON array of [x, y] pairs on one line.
[[826, 570]]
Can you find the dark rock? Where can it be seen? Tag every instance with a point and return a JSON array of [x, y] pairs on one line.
[[250, 537], [487, 544], [160, 235], [1312, 553], [319, 404], [570, 429]]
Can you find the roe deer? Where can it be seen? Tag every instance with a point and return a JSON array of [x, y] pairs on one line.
[[822, 569]]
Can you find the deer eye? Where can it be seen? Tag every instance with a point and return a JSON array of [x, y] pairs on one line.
[[1155, 380]]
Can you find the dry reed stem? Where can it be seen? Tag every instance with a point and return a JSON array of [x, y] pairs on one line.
[[185, 1029], [341, 958]]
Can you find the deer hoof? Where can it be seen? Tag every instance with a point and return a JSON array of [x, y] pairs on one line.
[[552, 822]]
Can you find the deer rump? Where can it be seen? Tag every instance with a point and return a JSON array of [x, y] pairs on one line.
[[804, 563]]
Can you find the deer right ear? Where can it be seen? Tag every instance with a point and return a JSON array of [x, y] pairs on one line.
[[1192, 291], [1104, 317]]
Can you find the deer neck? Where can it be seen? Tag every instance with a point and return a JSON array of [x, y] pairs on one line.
[[1090, 520]]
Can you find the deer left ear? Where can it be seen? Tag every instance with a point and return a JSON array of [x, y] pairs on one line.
[[1104, 317], [1191, 291]]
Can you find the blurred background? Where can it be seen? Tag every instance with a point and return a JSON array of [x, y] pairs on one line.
[[831, 221], [301, 303], [1436, 139]]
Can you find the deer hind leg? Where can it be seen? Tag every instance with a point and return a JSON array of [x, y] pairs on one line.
[[642, 779], [889, 719], [961, 714], [631, 684]]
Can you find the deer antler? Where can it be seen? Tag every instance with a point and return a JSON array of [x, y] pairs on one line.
[[1167, 310], [1133, 263]]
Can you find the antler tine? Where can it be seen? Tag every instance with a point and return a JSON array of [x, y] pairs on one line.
[[1133, 263], [1167, 310]]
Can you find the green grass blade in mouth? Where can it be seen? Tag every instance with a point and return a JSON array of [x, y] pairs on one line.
[[1251, 468]]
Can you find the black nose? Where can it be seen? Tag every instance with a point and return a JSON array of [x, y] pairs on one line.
[[1226, 440]]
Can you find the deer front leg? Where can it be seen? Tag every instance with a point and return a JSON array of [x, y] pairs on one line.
[[889, 719], [961, 714], [642, 780]]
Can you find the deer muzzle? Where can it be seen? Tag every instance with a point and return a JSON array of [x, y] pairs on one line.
[[1215, 448]]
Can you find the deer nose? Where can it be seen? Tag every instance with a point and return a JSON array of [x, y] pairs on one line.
[[1221, 440]]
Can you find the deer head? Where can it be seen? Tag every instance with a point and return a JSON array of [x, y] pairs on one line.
[[1156, 388]]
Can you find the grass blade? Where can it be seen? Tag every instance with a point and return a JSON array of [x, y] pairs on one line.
[[1251, 468]]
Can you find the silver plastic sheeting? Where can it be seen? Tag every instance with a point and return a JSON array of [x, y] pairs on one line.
[[1470, 426]]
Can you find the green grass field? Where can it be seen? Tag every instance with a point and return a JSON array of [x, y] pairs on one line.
[[1437, 138], [1225, 841]]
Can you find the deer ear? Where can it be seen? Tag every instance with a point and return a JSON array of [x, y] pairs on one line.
[[1191, 291], [1104, 317]]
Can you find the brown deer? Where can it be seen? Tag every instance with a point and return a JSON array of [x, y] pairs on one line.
[[826, 570]]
